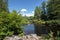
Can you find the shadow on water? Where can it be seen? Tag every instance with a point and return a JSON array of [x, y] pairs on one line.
[[29, 29]]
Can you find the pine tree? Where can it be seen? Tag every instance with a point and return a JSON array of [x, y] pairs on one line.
[[44, 7], [53, 9], [1, 2], [37, 14], [44, 11], [4, 5]]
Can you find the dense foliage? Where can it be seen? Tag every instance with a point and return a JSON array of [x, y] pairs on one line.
[[44, 11], [53, 8], [37, 12], [4, 5], [10, 24], [49, 18], [45, 18]]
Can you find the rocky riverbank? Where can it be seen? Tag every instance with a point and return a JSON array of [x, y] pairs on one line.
[[26, 37]]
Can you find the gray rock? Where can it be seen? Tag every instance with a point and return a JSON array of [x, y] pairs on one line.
[[26, 37]]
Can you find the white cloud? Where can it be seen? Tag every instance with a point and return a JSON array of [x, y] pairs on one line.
[[23, 10], [28, 14]]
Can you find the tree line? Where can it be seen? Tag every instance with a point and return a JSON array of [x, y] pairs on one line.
[[48, 16]]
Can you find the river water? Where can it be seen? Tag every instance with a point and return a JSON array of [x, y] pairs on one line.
[[29, 29]]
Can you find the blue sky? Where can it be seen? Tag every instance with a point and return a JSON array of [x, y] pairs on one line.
[[26, 7]]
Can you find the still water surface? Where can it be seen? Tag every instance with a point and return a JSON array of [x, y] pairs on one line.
[[29, 29]]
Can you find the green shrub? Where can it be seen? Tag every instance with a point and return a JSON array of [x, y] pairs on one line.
[[10, 24]]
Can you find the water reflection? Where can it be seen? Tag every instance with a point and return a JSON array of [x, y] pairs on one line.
[[29, 29]]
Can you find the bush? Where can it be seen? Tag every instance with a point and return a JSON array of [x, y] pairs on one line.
[[10, 24], [51, 25], [54, 26]]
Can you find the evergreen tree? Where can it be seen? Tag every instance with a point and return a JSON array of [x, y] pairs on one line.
[[44, 13], [44, 7], [4, 5], [1, 2], [37, 14], [53, 9]]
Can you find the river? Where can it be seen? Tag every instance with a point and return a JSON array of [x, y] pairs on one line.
[[29, 29]]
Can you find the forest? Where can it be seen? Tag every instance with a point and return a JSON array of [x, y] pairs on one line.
[[47, 16]]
